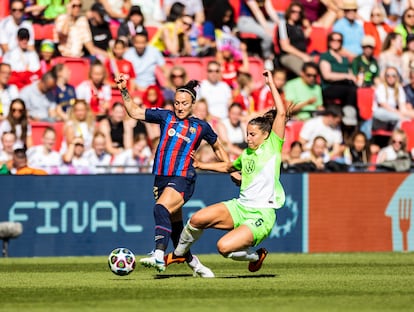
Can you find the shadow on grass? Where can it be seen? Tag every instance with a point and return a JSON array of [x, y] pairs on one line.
[[162, 276]]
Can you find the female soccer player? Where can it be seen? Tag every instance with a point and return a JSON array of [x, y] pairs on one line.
[[175, 175], [249, 218]]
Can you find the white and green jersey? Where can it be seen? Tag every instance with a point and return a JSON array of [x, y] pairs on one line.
[[260, 168]]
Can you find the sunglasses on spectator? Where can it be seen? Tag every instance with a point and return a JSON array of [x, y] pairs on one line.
[[76, 6], [213, 70], [187, 23], [391, 75], [336, 39], [296, 11], [17, 10], [177, 75], [311, 75], [350, 10], [20, 110], [396, 142], [79, 144]]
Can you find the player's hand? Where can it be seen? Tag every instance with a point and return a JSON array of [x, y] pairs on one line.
[[236, 178], [268, 76], [121, 81]]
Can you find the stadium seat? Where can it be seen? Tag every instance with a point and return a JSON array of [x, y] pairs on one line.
[[79, 68], [236, 7], [194, 67], [408, 127], [281, 5], [292, 131], [116, 96], [49, 31], [4, 10], [151, 29], [38, 31], [114, 30], [256, 68], [318, 40], [365, 98]]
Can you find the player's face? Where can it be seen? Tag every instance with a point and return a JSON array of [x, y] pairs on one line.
[[183, 105], [255, 137]]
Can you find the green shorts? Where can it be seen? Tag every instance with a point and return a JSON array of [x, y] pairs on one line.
[[259, 220]]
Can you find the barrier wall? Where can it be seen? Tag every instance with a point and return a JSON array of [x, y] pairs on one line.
[[91, 215]]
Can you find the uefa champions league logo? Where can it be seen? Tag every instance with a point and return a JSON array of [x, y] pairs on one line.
[[281, 230]]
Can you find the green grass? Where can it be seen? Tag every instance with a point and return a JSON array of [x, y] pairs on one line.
[[287, 282]]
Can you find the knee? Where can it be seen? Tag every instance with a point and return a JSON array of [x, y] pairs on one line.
[[197, 221], [223, 248]]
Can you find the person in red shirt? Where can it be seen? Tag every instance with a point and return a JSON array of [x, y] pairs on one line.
[[263, 97], [116, 64], [232, 62]]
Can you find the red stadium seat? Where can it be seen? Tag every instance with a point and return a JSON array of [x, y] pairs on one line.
[[114, 30], [236, 7], [79, 68], [281, 5], [49, 31], [292, 131], [256, 68], [38, 127], [152, 30], [4, 9], [318, 40], [116, 96], [365, 98], [38, 31], [194, 67], [408, 127]]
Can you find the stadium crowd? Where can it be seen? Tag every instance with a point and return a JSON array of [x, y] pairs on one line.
[[345, 70]]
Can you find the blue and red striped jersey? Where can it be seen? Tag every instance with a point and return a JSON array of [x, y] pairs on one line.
[[179, 137]]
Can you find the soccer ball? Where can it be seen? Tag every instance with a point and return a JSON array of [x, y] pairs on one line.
[[121, 261]]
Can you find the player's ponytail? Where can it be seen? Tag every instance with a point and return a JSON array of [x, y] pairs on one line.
[[264, 122], [190, 88]]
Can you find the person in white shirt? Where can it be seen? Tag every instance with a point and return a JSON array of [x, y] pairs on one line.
[[8, 139], [43, 156], [217, 93], [137, 159], [327, 126], [99, 159], [8, 92]]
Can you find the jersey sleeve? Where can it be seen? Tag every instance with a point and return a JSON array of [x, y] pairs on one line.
[[209, 135], [156, 115]]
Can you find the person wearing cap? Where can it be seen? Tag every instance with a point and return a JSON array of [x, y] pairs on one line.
[[365, 66], [326, 125], [11, 24], [351, 30], [377, 27], [25, 63], [46, 52]]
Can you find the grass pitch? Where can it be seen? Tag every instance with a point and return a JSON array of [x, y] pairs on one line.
[[286, 282]]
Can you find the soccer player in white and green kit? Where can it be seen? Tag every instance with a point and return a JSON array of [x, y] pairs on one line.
[[250, 218]]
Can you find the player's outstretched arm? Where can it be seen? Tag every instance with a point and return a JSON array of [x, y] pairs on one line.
[[225, 167], [279, 123], [132, 109]]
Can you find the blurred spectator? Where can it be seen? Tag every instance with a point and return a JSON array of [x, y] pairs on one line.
[[409, 92], [133, 24], [74, 159], [99, 159], [114, 10], [407, 59], [25, 63], [153, 97], [81, 123], [118, 133], [317, 156], [243, 93], [101, 34], [39, 98], [8, 140], [293, 32], [263, 98], [11, 24], [65, 92], [406, 26], [17, 122], [365, 66], [377, 27], [172, 38], [338, 81], [137, 159], [365, 8], [20, 166], [49, 10], [177, 78], [391, 53], [145, 60], [96, 91], [217, 93], [233, 59], [260, 18], [235, 126], [8, 92], [46, 52], [351, 30], [151, 10], [43, 156], [192, 7], [116, 64], [292, 158], [73, 32], [394, 156], [357, 154], [304, 92], [389, 108], [321, 13], [326, 125], [395, 9]]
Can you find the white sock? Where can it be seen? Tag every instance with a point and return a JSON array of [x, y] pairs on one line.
[[244, 255], [159, 254], [188, 236]]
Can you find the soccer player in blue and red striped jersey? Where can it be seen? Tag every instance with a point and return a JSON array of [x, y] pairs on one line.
[[181, 135]]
